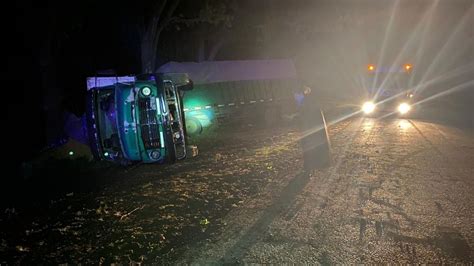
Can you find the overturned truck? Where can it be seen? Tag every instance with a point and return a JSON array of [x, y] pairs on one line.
[[137, 118], [147, 118]]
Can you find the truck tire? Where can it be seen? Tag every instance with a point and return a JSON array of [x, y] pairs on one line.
[[193, 126]]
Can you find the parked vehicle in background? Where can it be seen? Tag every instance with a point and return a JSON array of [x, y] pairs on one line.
[[388, 89]]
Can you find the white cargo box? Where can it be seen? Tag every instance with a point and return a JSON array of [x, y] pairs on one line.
[[95, 82]]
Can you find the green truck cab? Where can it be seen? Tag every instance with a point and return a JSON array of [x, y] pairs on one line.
[[137, 118]]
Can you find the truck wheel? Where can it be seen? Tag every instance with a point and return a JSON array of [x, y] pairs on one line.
[[193, 126]]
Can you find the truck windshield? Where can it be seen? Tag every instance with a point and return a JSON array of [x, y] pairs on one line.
[[387, 84], [106, 117]]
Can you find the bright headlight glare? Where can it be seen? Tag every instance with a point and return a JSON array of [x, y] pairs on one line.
[[368, 107], [403, 108], [146, 91]]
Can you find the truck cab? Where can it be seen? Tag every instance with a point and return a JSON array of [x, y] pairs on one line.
[[138, 120]]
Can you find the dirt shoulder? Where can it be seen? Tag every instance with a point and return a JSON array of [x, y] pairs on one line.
[[149, 213]]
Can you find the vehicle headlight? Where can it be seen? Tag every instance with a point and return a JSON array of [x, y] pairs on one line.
[[368, 107], [146, 91], [155, 154], [404, 108]]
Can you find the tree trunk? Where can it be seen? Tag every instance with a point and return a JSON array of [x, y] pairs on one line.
[[215, 49], [52, 96], [151, 33], [148, 53], [201, 53]]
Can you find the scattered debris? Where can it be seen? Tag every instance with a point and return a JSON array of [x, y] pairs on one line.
[[129, 213], [204, 221]]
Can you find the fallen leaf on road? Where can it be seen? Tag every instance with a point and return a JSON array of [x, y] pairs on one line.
[[204, 221]]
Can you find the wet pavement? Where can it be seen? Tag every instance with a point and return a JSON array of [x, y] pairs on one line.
[[398, 190]]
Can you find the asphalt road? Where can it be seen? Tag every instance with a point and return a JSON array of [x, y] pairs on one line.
[[399, 190]]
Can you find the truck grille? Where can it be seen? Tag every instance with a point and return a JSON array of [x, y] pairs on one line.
[[148, 124]]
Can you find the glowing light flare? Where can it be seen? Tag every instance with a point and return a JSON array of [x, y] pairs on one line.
[[368, 107], [371, 68], [408, 67], [404, 108]]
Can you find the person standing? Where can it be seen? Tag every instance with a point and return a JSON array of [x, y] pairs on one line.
[[314, 138]]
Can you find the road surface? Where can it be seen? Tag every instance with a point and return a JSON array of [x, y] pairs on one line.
[[398, 190]]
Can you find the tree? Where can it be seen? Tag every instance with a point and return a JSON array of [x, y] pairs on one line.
[[212, 16], [149, 32], [214, 21]]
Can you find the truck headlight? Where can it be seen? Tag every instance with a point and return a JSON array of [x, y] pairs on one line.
[[155, 154], [368, 107], [404, 108], [146, 91]]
